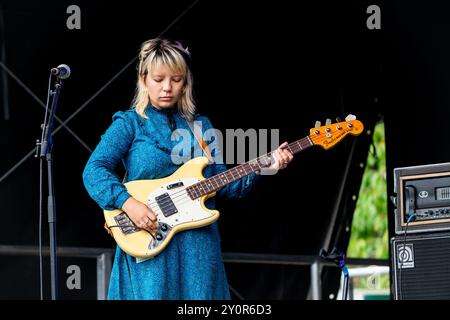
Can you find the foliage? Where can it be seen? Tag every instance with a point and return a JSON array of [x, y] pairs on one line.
[[369, 233]]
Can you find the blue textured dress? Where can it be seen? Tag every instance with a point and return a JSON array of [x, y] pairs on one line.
[[191, 266]]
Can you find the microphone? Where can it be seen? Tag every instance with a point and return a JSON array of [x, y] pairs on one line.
[[62, 71]]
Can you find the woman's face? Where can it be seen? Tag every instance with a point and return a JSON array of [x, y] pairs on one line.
[[164, 86]]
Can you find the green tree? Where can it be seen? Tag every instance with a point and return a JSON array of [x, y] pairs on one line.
[[369, 233]]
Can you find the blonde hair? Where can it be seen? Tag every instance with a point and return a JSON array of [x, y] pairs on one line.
[[155, 52]]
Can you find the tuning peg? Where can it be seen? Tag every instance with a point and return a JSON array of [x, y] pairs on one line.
[[328, 122], [350, 117], [338, 119], [317, 125]]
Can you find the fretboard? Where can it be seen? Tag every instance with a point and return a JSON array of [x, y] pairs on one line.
[[218, 181]]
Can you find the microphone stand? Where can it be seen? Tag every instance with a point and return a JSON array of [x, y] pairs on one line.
[[44, 149]]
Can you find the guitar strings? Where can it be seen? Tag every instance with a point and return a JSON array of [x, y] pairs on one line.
[[181, 196], [178, 197], [294, 144], [175, 196], [269, 154], [254, 160]]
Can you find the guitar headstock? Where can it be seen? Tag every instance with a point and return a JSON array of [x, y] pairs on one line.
[[330, 134]]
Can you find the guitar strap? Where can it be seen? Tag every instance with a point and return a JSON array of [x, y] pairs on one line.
[[200, 141]]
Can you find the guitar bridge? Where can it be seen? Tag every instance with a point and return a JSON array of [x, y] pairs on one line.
[[125, 224]]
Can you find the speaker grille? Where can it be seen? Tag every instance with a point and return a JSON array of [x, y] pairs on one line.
[[425, 262]]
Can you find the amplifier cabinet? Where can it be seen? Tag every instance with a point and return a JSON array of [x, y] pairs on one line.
[[421, 266]]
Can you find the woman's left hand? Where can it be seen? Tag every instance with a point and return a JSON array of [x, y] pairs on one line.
[[281, 157]]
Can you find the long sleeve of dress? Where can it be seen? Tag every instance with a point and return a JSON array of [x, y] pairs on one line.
[[237, 189], [100, 180]]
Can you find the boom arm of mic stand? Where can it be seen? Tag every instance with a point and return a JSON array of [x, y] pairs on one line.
[[46, 143]]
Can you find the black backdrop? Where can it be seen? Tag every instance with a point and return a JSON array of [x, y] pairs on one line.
[[257, 65]]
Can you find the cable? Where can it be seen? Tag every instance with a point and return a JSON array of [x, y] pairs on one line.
[[346, 280], [135, 227], [411, 218]]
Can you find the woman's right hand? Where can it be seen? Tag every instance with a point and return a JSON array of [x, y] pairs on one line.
[[140, 214]]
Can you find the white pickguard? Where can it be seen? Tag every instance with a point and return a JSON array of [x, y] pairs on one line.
[[188, 210]]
